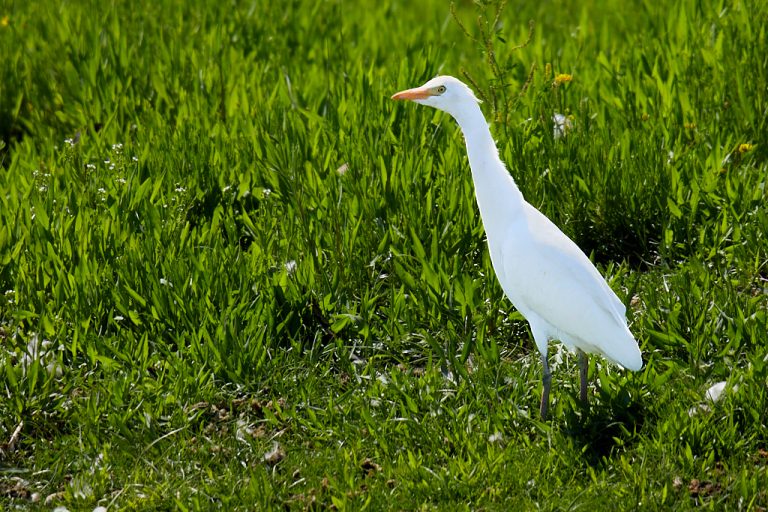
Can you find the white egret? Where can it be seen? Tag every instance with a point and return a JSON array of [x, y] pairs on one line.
[[542, 271]]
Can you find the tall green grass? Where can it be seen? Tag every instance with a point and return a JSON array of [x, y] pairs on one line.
[[235, 275]]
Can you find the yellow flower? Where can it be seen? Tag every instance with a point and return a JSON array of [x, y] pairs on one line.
[[4, 21], [690, 126], [562, 78], [743, 148]]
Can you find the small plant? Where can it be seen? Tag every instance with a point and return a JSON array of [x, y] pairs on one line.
[[498, 93]]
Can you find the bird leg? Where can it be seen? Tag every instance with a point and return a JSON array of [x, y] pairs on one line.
[[583, 372], [546, 381]]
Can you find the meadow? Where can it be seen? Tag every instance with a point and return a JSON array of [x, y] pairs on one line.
[[237, 276]]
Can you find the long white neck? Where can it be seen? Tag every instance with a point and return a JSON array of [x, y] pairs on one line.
[[498, 197]]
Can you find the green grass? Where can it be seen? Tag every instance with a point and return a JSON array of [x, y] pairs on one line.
[[256, 282]]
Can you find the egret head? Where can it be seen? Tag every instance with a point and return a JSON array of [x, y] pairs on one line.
[[445, 93]]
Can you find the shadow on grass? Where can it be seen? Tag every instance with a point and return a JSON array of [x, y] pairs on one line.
[[607, 426]]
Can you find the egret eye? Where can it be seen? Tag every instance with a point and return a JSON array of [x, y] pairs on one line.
[[440, 89]]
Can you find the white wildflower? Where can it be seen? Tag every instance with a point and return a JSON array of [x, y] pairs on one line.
[[43, 352], [713, 394], [715, 391], [561, 125]]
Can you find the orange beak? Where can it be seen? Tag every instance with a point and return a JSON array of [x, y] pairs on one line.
[[419, 93]]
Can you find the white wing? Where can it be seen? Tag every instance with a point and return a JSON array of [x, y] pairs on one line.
[[545, 273]]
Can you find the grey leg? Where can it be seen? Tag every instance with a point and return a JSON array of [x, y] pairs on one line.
[[583, 369], [546, 381]]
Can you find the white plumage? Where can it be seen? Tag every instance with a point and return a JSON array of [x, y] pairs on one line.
[[542, 271]]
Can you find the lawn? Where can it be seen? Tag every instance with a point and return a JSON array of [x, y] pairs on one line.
[[237, 276]]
